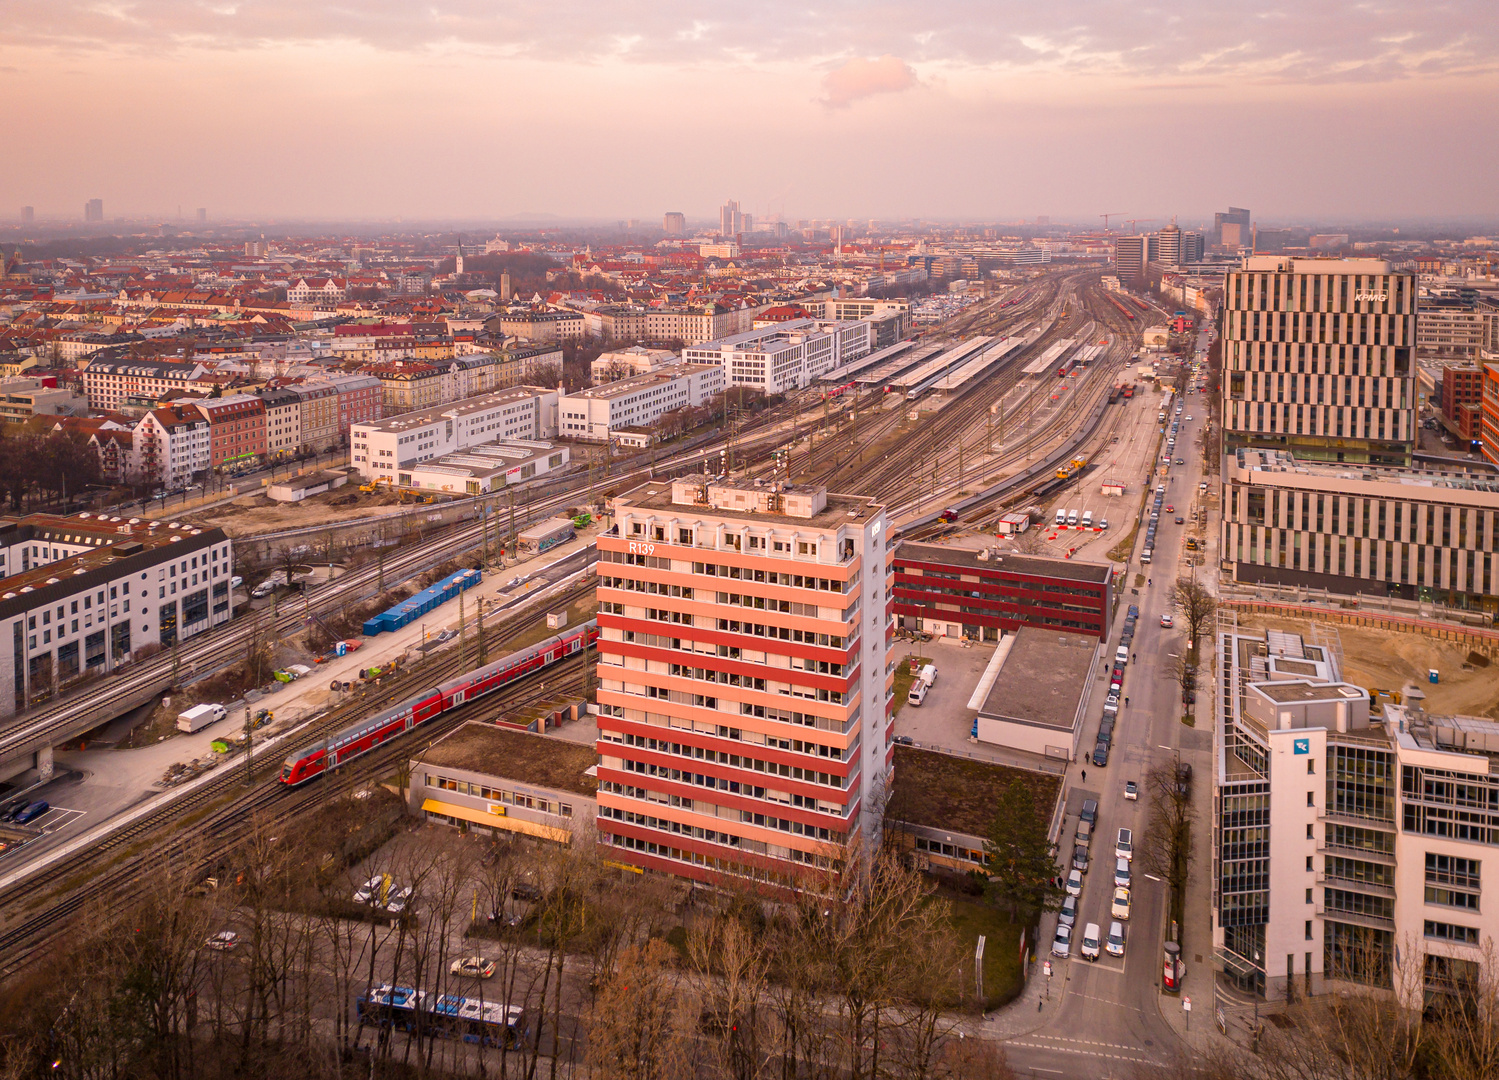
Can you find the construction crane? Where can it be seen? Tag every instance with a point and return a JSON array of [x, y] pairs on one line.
[[1132, 222], [1111, 213]]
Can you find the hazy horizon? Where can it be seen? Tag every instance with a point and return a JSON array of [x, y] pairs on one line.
[[459, 111]]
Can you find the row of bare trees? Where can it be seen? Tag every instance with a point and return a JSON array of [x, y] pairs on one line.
[[618, 975]]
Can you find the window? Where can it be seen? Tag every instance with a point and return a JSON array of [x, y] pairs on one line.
[[1461, 935], [1452, 881]]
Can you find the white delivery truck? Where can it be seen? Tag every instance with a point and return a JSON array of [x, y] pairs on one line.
[[922, 683], [199, 717]]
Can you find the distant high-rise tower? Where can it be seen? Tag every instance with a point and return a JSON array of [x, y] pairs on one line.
[[674, 223], [28, 215], [202, 215], [730, 221], [1129, 255], [505, 292], [1231, 230], [93, 210], [458, 262], [1169, 244]]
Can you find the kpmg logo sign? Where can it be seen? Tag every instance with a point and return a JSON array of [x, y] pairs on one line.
[[1377, 297]]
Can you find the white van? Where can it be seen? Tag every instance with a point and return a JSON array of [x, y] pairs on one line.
[[917, 693], [1145, 556], [1090, 941], [1121, 655], [1061, 517], [1072, 517], [1087, 519]]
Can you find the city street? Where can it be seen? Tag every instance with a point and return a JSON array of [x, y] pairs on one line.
[[1101, 1018]]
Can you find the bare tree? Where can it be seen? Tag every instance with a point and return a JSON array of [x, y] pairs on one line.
[[640, 1025], [1197, 606], [1167, 844]]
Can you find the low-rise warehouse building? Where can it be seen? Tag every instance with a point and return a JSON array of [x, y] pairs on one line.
[[977, 594], [501, 780], [489, 467], [1035, 691], [942, 806]]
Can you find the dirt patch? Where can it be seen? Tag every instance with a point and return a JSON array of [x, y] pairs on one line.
[[250, 515], [1388, 659]]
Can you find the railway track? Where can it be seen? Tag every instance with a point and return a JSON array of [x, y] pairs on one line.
[[223, 810], [939, 449]]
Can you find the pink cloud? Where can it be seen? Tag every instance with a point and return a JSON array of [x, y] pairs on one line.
[[861, 78]]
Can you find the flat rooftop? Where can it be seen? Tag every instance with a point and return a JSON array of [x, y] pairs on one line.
[[1281, 462], [656, 495], [1290, 692], [1042, 679], [633, 384], [430, 415], [517, 755], [1034, 565], [943, 791]]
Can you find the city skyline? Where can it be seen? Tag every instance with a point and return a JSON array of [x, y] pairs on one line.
[[1005, 113]]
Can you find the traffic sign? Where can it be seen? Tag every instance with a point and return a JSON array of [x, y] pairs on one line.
[[1186, 1004]]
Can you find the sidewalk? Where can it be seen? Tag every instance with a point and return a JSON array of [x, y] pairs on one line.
[[1038, 1002]]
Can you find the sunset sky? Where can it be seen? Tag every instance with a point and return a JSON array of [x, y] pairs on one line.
[[465, 109]]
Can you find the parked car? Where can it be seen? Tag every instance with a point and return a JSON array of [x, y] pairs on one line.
[[1183, 777], [1101, 755], [398, 899], [1061, 944], [223, 941], [1124, 844], [1089, 812], [1115, 945], [369, 890], [32, 812], [236, 581], [1068, 915], [475, 967], [1121, 872], [1075, 883], [1119, 909], [1080, 858], [1091, 942]]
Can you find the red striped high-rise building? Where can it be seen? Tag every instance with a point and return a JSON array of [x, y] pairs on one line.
[[745, 678]]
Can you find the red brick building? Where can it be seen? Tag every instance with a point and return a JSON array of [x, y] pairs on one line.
[[1462, 397], [953, 592], [236, 427], [1489, 414]]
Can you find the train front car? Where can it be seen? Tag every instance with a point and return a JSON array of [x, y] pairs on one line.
[[304, 764]]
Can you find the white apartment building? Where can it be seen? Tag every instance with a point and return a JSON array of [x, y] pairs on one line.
[[172, 444], [390, 448], [1319, 359], [107, 383], [1350, 841], [321, 291], [1419, 535], [622, 363], [283, 422], [120, 585], [777, 358], [637, 401]]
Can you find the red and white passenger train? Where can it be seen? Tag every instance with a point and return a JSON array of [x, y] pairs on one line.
[[373, 731]]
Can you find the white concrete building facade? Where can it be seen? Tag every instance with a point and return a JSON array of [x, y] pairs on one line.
[[637, 401]]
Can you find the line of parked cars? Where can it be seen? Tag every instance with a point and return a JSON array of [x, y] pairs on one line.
[[1093, 941], [24, 811]]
